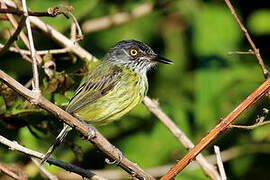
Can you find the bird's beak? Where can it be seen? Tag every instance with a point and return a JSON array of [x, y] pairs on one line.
[[161, 60]]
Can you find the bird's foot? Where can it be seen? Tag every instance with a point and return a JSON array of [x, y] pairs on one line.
[[120, 156], [91, 132]]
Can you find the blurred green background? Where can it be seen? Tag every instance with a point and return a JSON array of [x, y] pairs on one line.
[[203, 85]]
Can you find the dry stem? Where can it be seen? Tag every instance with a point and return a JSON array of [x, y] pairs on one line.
[[255, 50], [13, 145], [13, 37], [44, 171], [259, 121], [223, 125], [102, 143], [154, 108], [32, 49], [220, 163]]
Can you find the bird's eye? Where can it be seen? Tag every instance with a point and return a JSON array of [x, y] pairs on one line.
[[133, 52]]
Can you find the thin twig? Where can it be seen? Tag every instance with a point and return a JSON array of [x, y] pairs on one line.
[[40, 52], [32, 49], [259, 122], [117, 19], [80, 35], [101, 142], [13, 37], [8, 172], [24, 56], [73, 32], [14, 23], [59, 37], [220, 163], [154, 108], [63, 40], [255, 50], [223, 125], [13, 171], [240, 52], [13, 145], [43, 170], [51, 13]]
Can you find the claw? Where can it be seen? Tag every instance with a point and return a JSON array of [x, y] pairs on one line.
[[91, 132], [120, 156]]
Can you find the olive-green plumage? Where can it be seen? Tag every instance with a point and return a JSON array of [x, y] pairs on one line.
[[109, 92], [112, 88]]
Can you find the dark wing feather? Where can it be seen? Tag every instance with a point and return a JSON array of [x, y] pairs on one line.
[[98, 83]]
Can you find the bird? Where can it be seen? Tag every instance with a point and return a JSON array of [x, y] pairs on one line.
[[112, 88]]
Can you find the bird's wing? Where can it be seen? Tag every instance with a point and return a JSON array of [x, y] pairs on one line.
[[98, 83]]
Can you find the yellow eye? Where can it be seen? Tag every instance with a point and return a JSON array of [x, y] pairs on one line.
[[133, 52]]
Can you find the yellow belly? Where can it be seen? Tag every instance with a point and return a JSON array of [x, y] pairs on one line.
[[129, 92]]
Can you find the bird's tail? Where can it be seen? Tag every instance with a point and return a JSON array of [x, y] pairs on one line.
[[58, 141]]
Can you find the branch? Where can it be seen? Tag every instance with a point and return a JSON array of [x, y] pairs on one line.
[[102, 143], [116, 19], [255, 50], [40, 52], [14, 172], [15, 25], [35, 85], [44, 171], [13, 145], [52, 12], [220, 164], [259, 122], [223, 125], [13, 37], [154, 108]]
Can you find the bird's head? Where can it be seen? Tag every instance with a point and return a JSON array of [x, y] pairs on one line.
[[135, 55]]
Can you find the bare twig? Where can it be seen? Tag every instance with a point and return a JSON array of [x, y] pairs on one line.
[[226, 155], [52, 12], [223, 125], [154, 108], [13, 37], [116, 19], [220, 164], [102, 143], [259, 121], [8, 172], [13, 145], [255, 50], [240, 52], [63, 40], [12, 171], [32, 49], [80, 35], [15, 25], [43, 170], [73, 32], [58, 37], [40, 52]]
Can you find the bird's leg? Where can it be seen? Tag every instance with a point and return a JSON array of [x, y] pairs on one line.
[[120, 156], [58, 141]]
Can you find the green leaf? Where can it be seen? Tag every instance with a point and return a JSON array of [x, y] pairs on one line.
[[258, 22]]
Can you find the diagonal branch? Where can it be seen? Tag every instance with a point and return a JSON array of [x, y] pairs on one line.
[[15, 25], [13, 145], [154, 108], [32, 49], [223, 125], [13, 37], [254, 48], [101, 142]]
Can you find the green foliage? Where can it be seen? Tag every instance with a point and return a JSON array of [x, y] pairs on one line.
[[203, 85]]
